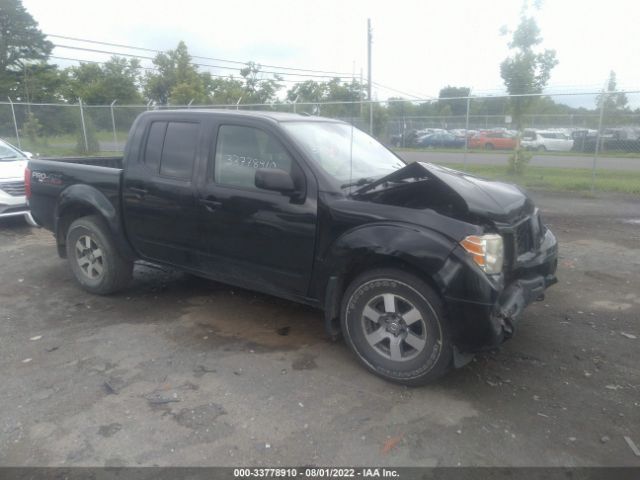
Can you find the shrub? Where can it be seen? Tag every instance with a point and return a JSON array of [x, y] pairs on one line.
[[92, 138], [32, 129], [518, 161]]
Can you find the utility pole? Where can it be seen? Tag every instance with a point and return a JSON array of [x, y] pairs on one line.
[[369, 40], [466, 130], [26, 86], [603, 100], [361, 94]]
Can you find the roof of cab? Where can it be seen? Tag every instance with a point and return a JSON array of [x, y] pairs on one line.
[[273, 116]]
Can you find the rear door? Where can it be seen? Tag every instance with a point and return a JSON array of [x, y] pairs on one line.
[[258, 238], [160, 207]]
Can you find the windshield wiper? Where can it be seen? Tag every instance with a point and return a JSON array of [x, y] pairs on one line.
[[9, 158], [358, 183]]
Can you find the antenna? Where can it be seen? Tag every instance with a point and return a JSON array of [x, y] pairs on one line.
[[369, 41], [351, 156]]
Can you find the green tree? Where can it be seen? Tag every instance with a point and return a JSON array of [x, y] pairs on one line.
[[92, 144], [98, 84], [334, 90], [256, 88], [399, 107], [457, 106], [614, 100], [45, 84], [177, 80], [21, 41], [615, 103], [526, 70], [308, 91], [37, 82], [226, 91], [32, 129], [21, 44]]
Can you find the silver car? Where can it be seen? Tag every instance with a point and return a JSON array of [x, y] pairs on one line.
[[13, 201]]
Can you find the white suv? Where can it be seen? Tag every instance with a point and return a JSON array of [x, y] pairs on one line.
[[543, 140], [13, 201]]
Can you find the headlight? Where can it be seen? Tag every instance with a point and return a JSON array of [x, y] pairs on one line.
[[486, 250]]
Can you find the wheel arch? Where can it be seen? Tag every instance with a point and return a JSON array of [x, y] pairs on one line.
[[79, 201], [412, 249]]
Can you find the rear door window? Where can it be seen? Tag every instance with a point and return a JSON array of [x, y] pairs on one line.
[[171, 148], [179, 150], [153, 150]]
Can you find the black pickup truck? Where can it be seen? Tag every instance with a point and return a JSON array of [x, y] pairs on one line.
[[416, 265]]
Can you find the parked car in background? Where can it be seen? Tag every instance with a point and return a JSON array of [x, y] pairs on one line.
[[406, 139], [494, 141], [13, 202], [611, 140], [545, 140], [461, 132], [440, 140]]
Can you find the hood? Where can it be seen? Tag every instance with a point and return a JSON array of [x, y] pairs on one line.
[[451, 192], [12, 169]]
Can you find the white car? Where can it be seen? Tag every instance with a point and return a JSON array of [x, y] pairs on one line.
[[546, 140], [13, 201]]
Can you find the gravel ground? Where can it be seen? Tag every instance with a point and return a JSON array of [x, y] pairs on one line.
[[177, 370]]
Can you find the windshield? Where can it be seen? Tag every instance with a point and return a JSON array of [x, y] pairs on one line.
[[7, 152], [344, 152]]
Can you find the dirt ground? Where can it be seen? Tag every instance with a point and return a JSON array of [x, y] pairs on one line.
[[182, 371]]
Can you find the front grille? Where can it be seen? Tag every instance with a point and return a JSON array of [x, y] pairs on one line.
[[15, 189], [524, 237]]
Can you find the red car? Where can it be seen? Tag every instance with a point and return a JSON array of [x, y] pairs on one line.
[[493, 140]]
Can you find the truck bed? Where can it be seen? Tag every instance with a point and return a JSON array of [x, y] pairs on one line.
[[109, 162], [89, 176]]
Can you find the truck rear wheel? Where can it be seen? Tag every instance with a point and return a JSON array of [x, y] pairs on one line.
[[394, 323], [93, 258]]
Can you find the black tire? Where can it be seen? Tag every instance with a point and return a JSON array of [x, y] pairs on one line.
[[542, 148], [488, 146], [100, 274], [415, 367]]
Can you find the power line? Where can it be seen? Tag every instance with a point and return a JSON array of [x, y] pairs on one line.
[[92, 61], [384, 87], [154, 69], [119, 45], [108, 52]]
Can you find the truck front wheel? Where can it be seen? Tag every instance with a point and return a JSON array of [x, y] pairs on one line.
[[394, 323], [94, 260]]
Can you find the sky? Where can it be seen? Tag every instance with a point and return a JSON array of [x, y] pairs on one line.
[[418, 46]]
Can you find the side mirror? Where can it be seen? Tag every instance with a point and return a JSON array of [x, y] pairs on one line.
[[275, 180]]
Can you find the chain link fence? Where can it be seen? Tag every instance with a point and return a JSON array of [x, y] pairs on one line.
[[592, 125]]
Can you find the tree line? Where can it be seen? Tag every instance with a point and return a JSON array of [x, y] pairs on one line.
[[27, 74]]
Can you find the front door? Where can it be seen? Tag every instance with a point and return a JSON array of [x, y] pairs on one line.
[[260, 239]]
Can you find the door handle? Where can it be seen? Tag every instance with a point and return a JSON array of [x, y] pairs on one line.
[[139, 192], [210, 203]]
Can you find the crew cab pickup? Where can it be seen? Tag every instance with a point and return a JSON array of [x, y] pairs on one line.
[[416, 265]]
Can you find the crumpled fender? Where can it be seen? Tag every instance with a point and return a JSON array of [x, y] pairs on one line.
[[423, 249]]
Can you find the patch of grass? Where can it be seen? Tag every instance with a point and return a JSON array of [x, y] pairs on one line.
[[65, 145], [634, 155], [560, 179]]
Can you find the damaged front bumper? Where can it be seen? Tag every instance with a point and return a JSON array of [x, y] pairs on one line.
[[485, 309], [512, 302]]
